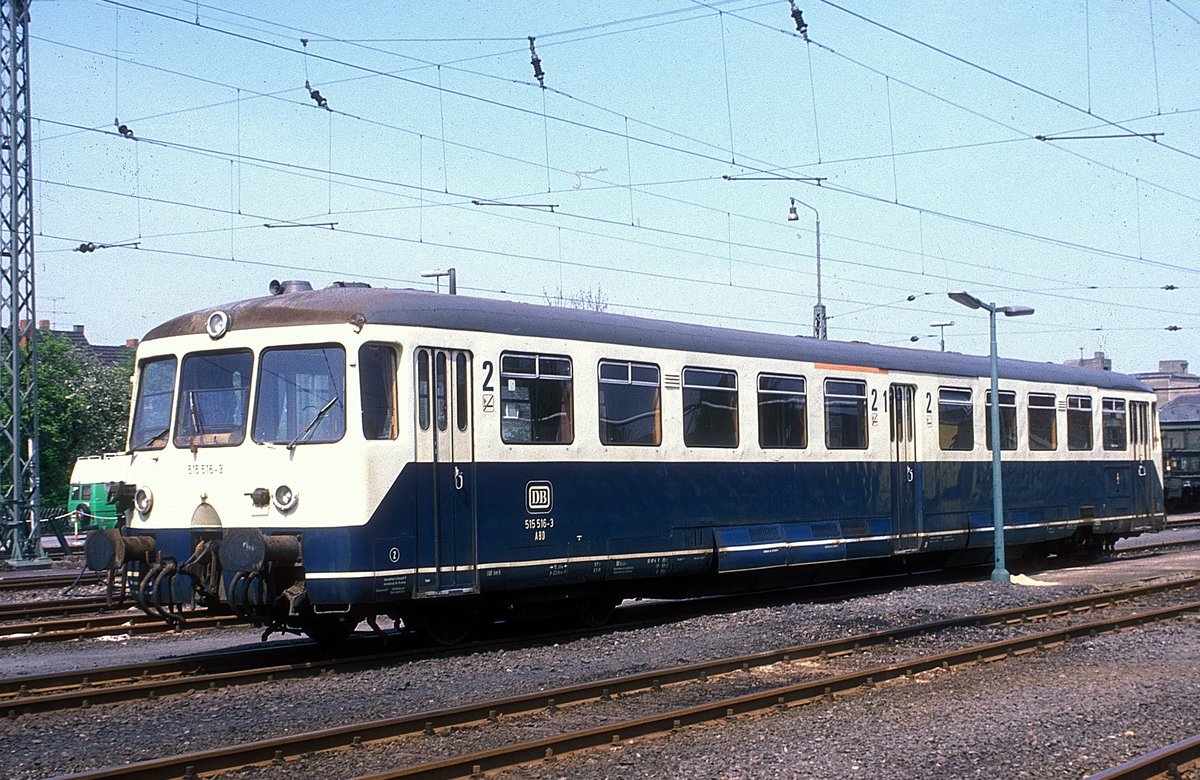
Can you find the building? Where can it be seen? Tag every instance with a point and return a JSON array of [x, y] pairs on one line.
[[1098, 360], [109, 355], [1171, 381]]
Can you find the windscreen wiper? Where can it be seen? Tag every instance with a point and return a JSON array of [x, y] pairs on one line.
[[194, 413], [308, 429]]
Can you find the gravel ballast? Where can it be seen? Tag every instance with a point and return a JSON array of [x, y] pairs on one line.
[[1057, 713]]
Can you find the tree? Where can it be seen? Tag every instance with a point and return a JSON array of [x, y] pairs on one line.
[[83, 409]]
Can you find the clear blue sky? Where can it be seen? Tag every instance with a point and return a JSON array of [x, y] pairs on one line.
[[920, 117]]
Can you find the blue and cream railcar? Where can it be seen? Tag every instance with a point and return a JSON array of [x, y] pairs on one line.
[[316, 457]]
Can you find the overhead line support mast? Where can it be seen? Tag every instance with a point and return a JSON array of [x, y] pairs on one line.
[[20, 501]]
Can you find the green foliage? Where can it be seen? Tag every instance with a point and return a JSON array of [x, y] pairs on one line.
[[83, 409]]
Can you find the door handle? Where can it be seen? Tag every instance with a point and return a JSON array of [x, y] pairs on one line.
[[458, 478], [1141, 469], [910, 473]]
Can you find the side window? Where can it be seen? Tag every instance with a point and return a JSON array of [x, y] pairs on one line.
[[1008, 420], [630, 403], [956, 419], [441, 414], [462, 391], [1079, 422], [535, 399], [1112, 418], [710, 408], [87, 493], [301, 395], [1043, 422], [845, 414], [782, 411], [377, 383], [152, 413], [214, 398], [423, 359]]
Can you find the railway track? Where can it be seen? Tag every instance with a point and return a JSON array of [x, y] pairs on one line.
[[1168, 763], [22, 610], [56, 579], [1157, 547], [493, 712], [105, 685], [67, 629]]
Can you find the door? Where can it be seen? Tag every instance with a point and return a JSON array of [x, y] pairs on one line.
[[1143, 469], [445, 524], [906, 515]]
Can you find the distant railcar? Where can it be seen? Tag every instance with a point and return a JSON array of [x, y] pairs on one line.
[[90, 500], [1181, 458], [314, 458]]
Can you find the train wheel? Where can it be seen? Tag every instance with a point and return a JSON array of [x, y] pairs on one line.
[[596, 611], [448, 627], [329, 629], [1035, 557]]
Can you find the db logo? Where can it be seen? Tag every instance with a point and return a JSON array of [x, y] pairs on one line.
[[539, 497]]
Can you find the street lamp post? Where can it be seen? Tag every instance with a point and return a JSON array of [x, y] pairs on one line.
[[999, 572], [941, 326], [819, 330], [438, 274]]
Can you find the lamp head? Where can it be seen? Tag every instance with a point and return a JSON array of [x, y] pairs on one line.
[[1017, 311], [792, 215], [966, 299]]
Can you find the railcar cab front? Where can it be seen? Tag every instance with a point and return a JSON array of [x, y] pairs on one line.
[[240, 445]]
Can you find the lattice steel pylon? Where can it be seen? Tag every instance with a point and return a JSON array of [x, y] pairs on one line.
[[19, 475]]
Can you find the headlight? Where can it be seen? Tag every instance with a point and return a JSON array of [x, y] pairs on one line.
[[217, 325], [143, 500], [285, 498]]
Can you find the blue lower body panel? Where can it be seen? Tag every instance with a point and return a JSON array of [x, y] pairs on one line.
[[609, 524]]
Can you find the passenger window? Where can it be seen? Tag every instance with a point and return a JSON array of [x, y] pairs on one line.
[[535, 399], [87, 493], [152, 413], [214, 398], [782, 412], [1079, 422], [956, 419], [710, 408], [1008, 420], [462, 391], [1112, 419], [377, 391], [301, 396], [423, 406], [630, 403], [440, 412], [845, 414], [1043, 422]]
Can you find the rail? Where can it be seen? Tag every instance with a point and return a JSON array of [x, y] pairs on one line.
[[281, 748]]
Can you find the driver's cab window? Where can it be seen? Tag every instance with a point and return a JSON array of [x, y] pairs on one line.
[[301, 395], [214, 394]]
